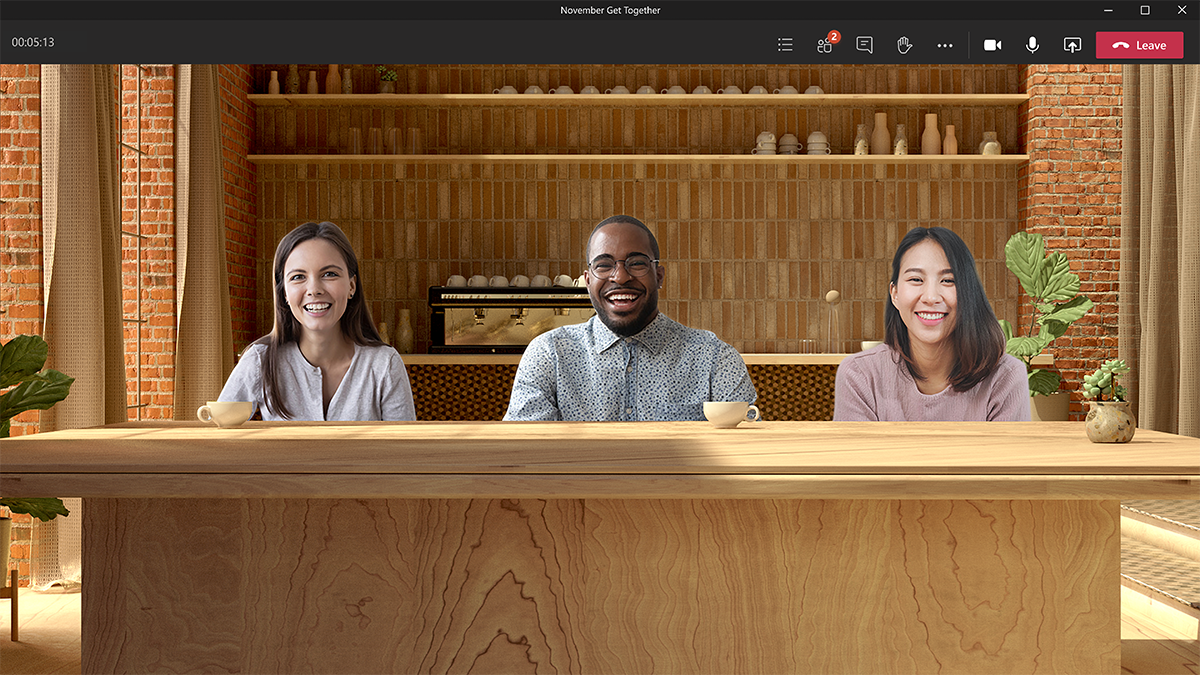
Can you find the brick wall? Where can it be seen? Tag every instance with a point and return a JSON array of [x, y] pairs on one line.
[[1070, 192], [241, 201]]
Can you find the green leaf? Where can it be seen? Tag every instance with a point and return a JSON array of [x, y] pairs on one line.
[[1058, 282], [38, 392], [20, 357], [1024, 347], [1007, 328], [1071, 311], [1044, 382], [1023, 254], [42, 508]]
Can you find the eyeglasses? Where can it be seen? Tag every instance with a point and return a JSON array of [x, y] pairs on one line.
[[635, 265]]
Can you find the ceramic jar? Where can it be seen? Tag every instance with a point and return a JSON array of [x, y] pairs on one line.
[[881, 140], [347, 83], [989, 145], [404, 333], [931, 140], [333, 81], [313, 87], [293, 80], [949, 143], [862, 141], [1110, 422], [273, 85], [901, 145]]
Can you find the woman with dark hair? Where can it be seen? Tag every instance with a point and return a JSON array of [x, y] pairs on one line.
[[323, 359], [943, 358]]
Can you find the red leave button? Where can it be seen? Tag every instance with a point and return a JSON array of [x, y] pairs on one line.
[[1139, 45]]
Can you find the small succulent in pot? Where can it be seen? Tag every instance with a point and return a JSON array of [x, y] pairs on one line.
[[386, 74], [1103, 382]]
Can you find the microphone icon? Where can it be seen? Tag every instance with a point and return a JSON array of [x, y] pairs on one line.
[[1032, 45]]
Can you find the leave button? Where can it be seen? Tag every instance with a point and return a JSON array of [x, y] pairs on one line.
[[1139, 45]]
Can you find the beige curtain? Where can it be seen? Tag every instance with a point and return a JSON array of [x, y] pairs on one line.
[[81, 233], [204, 340], [1160, 244]]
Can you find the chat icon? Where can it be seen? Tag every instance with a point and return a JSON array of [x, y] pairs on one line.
[[865, 43]]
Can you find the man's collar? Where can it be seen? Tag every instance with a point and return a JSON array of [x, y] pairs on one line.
[[653, 337]]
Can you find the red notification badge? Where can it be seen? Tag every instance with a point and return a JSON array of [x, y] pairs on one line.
[[834, 37]]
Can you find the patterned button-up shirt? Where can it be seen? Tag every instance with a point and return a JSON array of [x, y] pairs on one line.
[[664, 373]]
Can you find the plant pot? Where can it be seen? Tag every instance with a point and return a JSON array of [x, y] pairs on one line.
[[1110, 422], [387, 87], [1053, 408]]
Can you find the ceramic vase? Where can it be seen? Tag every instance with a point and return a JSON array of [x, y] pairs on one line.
[[404, 333], [881, 140], [313, 87], [293, 80], [1110, 422], [273, 85], [333, 81], [862, 141], [347, 83], [900, 147], [387, 87], [989, 137], [949, 143], [931, 140]]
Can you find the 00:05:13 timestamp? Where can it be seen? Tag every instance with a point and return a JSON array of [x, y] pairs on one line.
[[33, 42]]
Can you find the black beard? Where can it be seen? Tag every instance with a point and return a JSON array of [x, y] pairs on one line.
[[627, 327]]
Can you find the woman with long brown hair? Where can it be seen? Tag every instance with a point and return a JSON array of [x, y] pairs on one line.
[[943, 358], [323, 359]]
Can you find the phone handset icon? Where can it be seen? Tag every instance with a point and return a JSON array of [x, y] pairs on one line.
[[1123, 45]]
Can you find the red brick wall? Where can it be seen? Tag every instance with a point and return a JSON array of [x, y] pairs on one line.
[[1070, 192], [241, 200]]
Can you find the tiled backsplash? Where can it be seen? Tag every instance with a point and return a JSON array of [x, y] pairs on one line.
[[750, 249]]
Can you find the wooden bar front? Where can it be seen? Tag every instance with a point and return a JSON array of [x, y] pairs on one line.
[[601, 548]]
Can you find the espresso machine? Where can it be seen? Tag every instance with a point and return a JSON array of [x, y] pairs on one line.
[[501, 320]]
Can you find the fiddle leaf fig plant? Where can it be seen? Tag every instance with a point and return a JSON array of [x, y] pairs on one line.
[[1054, 291], [29, 387], [1104, 382]]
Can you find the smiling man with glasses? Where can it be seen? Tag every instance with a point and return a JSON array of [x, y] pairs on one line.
[[629, 362]]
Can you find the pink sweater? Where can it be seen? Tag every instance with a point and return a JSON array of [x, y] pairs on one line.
[[875, 386]]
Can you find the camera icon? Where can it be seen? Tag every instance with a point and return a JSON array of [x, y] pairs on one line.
[[992, 45]]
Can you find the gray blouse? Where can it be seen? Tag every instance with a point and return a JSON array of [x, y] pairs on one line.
[[375, 387]]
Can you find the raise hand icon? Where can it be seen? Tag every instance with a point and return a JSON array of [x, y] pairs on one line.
[[903, 45]]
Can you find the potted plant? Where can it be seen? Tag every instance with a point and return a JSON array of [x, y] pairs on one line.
[[28, 388], [1109, 420], [387, 80], [1054, 291]]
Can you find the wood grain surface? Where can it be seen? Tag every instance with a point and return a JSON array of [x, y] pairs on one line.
[[601, 586]]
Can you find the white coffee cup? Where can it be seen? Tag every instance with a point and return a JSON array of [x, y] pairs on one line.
[[729, 414], [787, 89], [675, 90], [763, 150], [702, 90], [506, 89], [477, 281], [819, 151], [646, 89], [589, 90], [540, 281], [757, 90], [498, 281], [789, 139], [564, 280], [817, 137], [225, 414], [533, 89], [564, 89], [619, 89], [731, 89], [520, 281], [868, 344], [814, 90], [456, 280], [766, 137]]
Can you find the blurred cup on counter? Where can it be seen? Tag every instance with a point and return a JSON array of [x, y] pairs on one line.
[[225, 414], [731, 89], [498, 281], [702, 90], [787, 89], [589, 90], [814, 90], [540, 281], [533, 89], [808, 347], [477, 281], [456, 280], [415, 143], [564, 280], [564, 89], [646, 89], [675, 90], [619, 89], [375, 141], [506, 89], [869, 344], [355, 144], [729, 414], [757, 90], [395, 141], [520, 281]]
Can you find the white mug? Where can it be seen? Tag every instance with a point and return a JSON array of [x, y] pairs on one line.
[[520, 281], [814, 90], [817, 137], [731, 89], [818, 151], [787, 89], [766, 137], [564, 89], [477, 281], [498, 281], [757, 90], [675, 90], [506, 89], [225, 414], [564, 280], [646, 89], [533, 89], [540, 281], [761, 150], [702, 90], [729, 414], [869, 344], [456, 280], [619, 89], [589, 90], [789, 139]]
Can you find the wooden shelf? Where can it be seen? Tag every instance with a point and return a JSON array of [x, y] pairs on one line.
[[804, 100], [1041, 360], [639, 159]]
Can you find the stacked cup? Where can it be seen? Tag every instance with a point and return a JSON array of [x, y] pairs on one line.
[[789, 144], [818, 144], [765, 145]]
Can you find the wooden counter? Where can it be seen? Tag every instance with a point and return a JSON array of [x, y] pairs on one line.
[[675, 547]]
